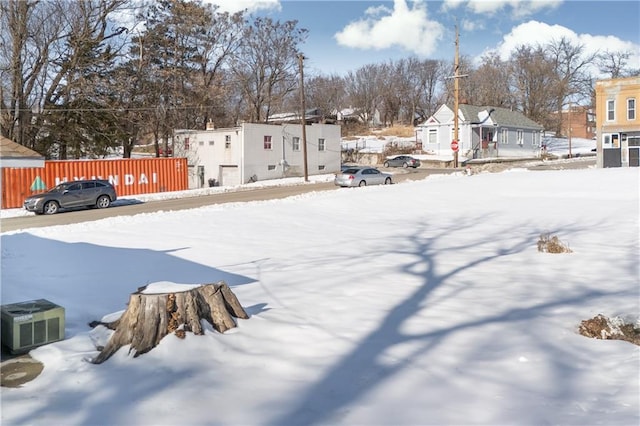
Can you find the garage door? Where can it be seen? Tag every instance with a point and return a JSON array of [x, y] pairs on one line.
[[229, 175]]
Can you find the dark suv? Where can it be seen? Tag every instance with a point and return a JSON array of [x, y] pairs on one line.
[[80, 193]]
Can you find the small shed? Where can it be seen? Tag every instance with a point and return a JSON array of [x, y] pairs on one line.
[[14, 155]]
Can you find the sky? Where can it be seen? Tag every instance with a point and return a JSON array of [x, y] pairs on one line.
[[346, 35], [420, 303]]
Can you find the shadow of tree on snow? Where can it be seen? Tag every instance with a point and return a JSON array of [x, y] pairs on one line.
[[323, 402]]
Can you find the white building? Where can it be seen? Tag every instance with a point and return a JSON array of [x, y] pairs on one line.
[[253, 151], [483, 132]]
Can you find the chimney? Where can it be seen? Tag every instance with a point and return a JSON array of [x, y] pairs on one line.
[[210, 125]]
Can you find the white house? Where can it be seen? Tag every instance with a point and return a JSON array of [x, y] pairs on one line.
[[483, 132], [253, 151]]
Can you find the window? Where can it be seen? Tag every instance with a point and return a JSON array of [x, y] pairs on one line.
[[267, 142], [201, 143], [611, 110], [432, 136], [271, 167], [227, 138], [227, 145], [296, 143], [211, 143], [536, 139], [631, 109], [504, 136], [321, 144], [321, 167], [186, 143], [88, 185], [520, 137]]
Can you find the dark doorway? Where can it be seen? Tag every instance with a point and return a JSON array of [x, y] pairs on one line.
[[611, 157], [634, 157]]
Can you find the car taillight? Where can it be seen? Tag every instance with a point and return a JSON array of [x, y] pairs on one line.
[[351, 177]]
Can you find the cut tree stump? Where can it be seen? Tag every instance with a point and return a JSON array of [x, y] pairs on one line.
[[151, 316]]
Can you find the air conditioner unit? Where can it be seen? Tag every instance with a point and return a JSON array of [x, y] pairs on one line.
[[26, 325]]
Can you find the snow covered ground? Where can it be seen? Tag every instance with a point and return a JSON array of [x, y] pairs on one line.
[[423, 303]]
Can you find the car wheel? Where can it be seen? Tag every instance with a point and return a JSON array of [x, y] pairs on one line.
[[50, 207], [387, 181], [103, 202], [405, 165], [362, 183], [386, 164]]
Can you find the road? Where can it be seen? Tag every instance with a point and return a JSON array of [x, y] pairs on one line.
[[257, 194]]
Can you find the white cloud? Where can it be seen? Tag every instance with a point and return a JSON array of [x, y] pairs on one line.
[[519, 9], [469, 25], [404, 27], [233, 6], [534, 33], [523, 9], [127, 16]]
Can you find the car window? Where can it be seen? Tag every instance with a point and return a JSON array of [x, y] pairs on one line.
[[374, 172], [75, 187], [351, 171], [100, 184], [88, 185]]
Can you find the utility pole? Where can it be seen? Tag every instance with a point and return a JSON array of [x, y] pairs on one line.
[[569, 130], [456, 99], [303, 120], [456, 95]]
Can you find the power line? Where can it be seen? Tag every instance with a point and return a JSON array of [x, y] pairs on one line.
[[173, 108]]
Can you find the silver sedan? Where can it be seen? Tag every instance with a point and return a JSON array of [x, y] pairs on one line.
[[362, 176]]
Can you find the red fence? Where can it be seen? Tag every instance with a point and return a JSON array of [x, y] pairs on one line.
[[129, 176]]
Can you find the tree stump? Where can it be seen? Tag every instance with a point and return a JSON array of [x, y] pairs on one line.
[[150, 316]]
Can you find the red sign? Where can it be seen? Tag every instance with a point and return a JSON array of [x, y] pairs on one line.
[[454, 145]]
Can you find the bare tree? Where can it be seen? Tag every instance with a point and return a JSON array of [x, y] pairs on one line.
[[423, 85], [573, 81], [266, 65], [28, 29], [57, 49], [615, 64], [325, 93], [216, 37], [465, 66], [362, 87], [533, 74], [490, 82], [69, 102], [391, 77]]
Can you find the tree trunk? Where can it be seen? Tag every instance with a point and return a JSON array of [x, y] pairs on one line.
[[150, 317]]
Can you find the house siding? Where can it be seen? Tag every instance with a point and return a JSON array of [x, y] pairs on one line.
[[472, 131], [617, 139], [246, 159]]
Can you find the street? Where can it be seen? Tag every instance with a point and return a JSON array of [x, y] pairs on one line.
[[257, 194]]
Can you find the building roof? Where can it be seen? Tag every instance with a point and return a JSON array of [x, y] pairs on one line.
[[13, 154], [500, 116]]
